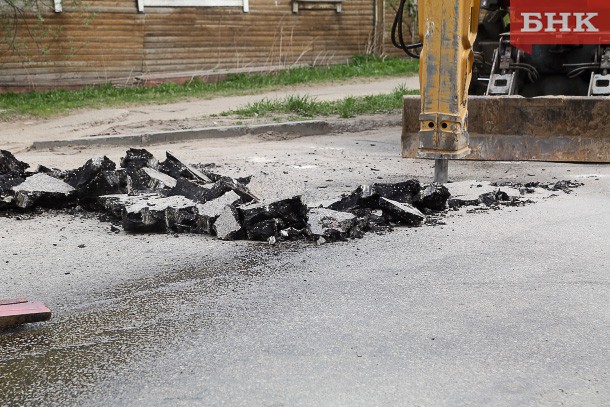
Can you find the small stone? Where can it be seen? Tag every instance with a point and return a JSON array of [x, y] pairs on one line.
[[272, 240], [292, 233], [320, 241]]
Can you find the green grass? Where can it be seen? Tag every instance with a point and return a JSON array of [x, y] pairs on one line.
[[306, 106], [60, 101]]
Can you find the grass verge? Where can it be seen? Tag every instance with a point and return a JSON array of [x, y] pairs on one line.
[[305, 106], [59, 101]]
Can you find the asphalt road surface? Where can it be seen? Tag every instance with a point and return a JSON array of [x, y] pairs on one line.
[[507, 307]]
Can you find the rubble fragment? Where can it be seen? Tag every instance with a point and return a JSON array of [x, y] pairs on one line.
[[53, 172], [401, 213], [137, 158], [195, 190], [149, 179], [367, 196], [85, 174], [266, 229], [330, 224], [211, 210], [493, 198], [159, 214], [176, 168], [44, 191], [433, 197], [227, 225], [404, 192], [291, 233], [9, 165], [455, 203], [104, 183], [565, 186], [362, 197], [292, 211]]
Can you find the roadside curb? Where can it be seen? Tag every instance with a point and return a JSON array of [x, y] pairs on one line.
[[299, 128]]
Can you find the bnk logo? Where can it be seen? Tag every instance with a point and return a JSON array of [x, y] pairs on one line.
[[559, 22], [562, 22]]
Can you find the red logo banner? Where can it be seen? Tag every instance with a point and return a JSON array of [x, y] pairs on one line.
[[559, 22]]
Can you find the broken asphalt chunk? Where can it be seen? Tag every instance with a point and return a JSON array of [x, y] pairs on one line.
[[159, 214], [402, 213], [211, 210], [9, 165], [330, 224], [493, 198], [44, 191], [104, 183], [367, 196], [136, 158], [176, 168], [265, 229], [228, 183], [85, 174], [433, 197], [400, 191], [227, 226], [154, 180], [291, 210], [203, 193], [362, 197]]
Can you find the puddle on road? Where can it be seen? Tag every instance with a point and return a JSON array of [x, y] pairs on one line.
[[61, 362]]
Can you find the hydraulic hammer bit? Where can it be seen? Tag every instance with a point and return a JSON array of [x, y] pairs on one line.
[[448, 29]]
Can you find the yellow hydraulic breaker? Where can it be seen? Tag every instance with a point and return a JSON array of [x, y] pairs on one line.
[[448, 29]]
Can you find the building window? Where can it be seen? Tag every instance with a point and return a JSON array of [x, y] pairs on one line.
[[193, 3], [316, 4]]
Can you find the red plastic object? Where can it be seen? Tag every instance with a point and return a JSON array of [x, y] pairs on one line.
[[19, 311]]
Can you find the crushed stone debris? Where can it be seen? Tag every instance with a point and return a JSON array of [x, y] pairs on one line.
[[145, 195]]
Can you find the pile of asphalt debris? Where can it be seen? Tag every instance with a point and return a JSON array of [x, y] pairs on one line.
[[145, 195]]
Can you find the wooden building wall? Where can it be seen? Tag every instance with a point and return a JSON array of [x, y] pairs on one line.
[[101, 41]]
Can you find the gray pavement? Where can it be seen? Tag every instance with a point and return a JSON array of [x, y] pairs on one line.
[[501, 308]]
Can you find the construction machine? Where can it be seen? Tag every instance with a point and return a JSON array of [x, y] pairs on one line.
[[499, 81]]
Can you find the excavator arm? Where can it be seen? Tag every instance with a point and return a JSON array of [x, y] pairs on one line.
[[547, 101], [448, 29]]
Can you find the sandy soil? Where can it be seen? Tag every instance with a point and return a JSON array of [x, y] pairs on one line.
[[17, 135]]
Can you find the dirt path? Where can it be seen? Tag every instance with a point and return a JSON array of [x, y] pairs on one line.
[[18, 135]]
